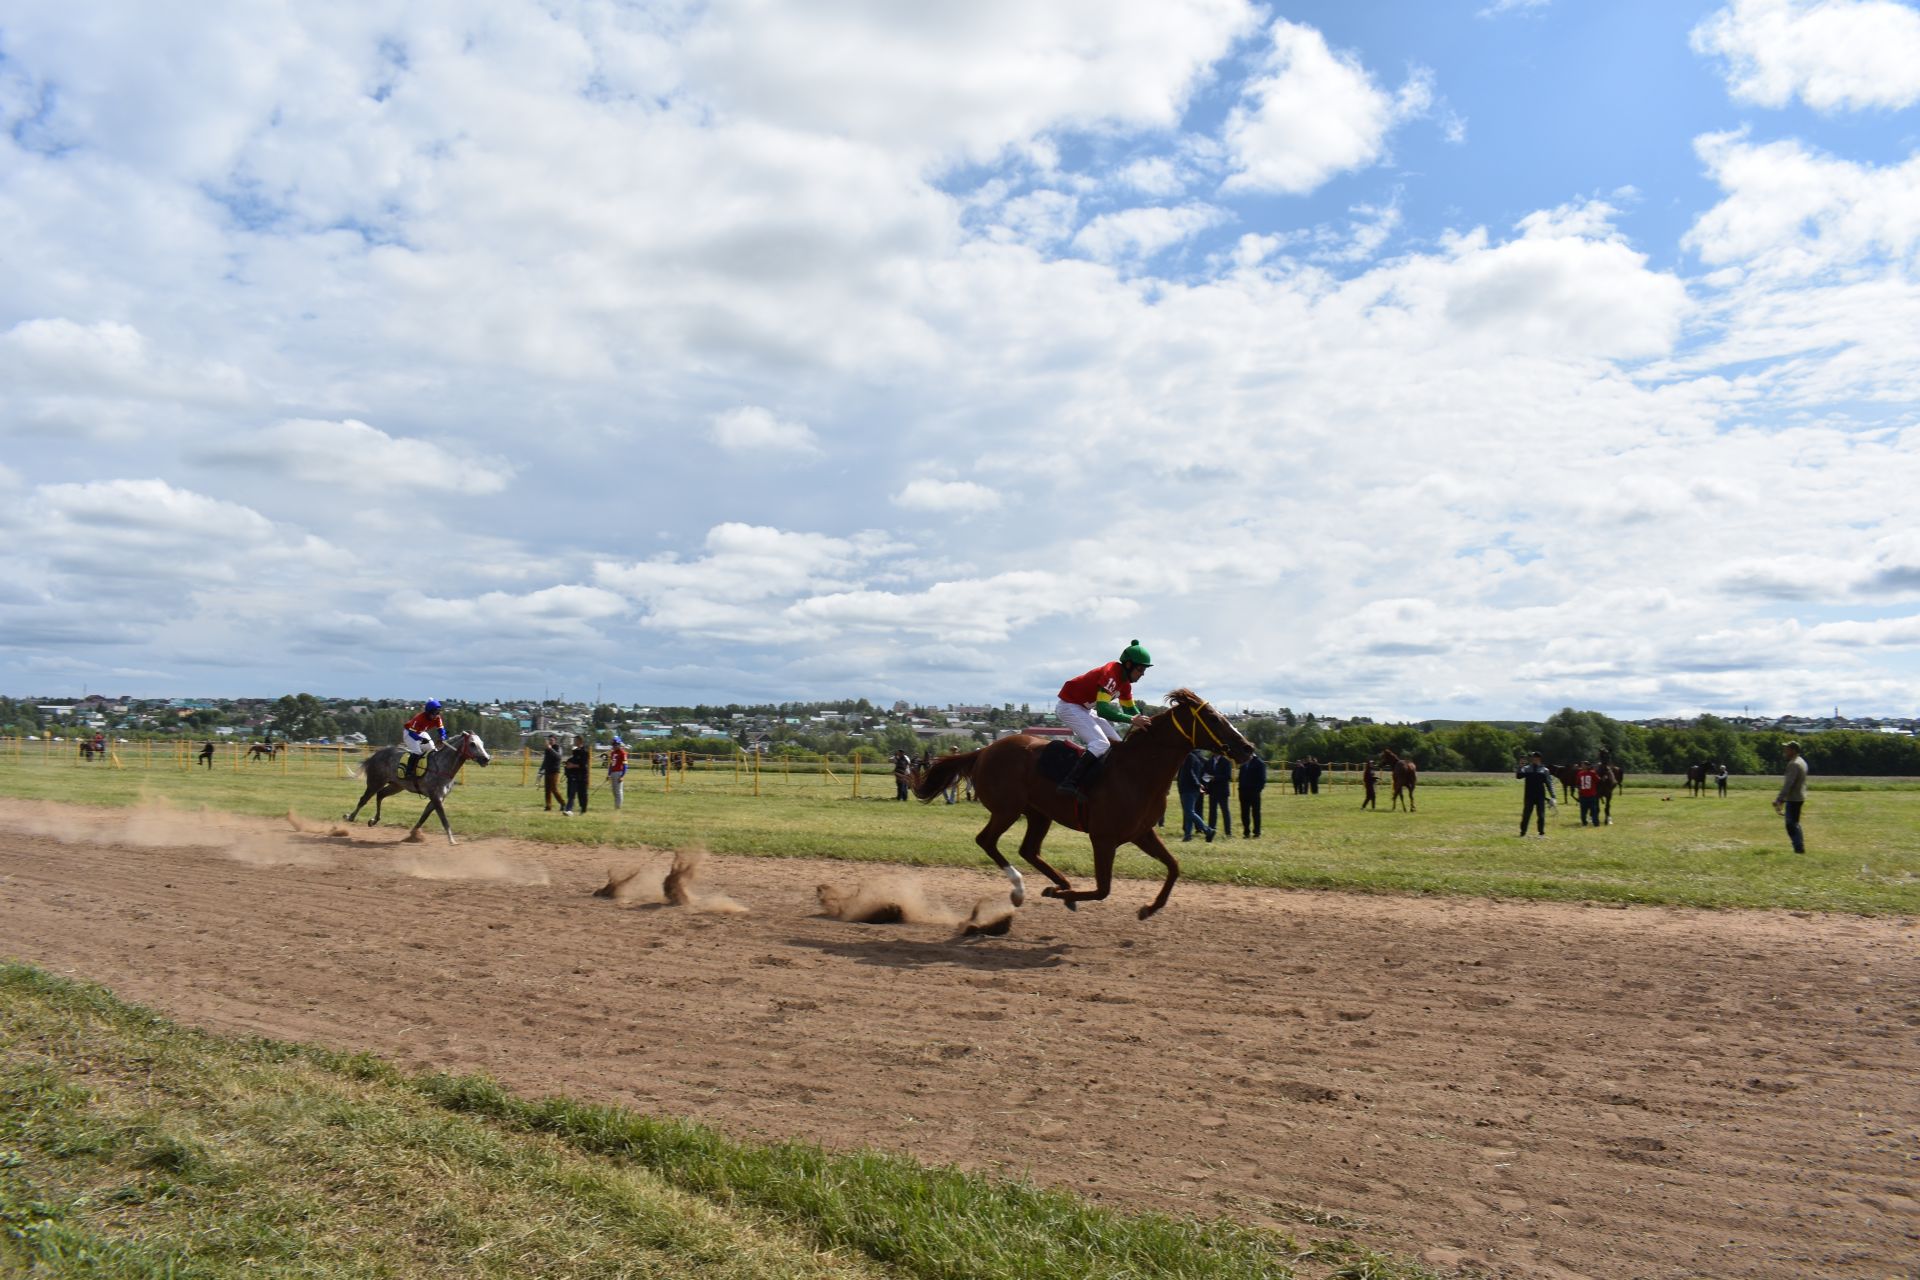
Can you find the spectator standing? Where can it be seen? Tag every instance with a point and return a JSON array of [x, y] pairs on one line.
[[1369, 786], [579, 768], [550, 772], [206, 755], [1314, 770], [1192, 783], [1586, 786], [1793, 795], [1219, 794], [1720, 781], [1253, 781], [617, 770], [1538, 779], [902, 774]]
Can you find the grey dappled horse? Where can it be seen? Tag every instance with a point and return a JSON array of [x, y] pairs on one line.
[[382, 772]]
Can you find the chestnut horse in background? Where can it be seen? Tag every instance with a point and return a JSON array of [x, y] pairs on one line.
[[1125, 800], [1406, 776]]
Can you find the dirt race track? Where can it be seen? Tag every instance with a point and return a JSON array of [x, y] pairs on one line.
[[1522, 1090]]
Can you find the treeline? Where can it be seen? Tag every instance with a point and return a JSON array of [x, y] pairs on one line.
[[1570, 735]]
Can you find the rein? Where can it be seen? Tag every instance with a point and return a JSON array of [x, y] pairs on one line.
[[1192, 731]]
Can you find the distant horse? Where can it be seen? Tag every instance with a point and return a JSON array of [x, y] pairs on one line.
[[267, 749], [382, 771], [1697, 779], [88, 750], [1406, 776], [1127, 797]]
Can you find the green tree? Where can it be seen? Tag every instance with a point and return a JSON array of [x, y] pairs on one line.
[[1482, 747], [300, 716]]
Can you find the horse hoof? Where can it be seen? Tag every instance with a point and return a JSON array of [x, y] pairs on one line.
[[1017, 896], [1070, 904], [1051, 891], [1146, 912]]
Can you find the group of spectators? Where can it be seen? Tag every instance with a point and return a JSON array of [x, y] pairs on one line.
[[577, 769], [1536, 796], [1210, 774]]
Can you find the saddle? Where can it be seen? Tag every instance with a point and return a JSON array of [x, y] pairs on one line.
[[414, 766], [1054, 762]]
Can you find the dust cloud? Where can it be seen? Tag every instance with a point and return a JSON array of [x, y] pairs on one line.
[[468, 862], [675, 884], [152, 823]]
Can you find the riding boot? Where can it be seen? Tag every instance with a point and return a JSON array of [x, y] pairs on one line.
[[1080, 778]]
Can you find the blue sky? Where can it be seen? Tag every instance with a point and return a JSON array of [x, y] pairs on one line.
[[1410, 359]]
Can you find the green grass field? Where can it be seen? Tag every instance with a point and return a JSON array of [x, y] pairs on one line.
[[132, 1147], [1663, 847]]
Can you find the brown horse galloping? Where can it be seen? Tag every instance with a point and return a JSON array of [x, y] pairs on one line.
[[1126, 798], [1406, 776]]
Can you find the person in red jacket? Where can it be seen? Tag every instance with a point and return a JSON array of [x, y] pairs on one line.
[[1092, 704], [415, 739], [617, 769]]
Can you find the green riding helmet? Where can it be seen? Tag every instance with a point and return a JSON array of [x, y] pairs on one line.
[[1133, 653]]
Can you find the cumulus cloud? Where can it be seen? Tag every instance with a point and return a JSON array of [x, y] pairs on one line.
[[946, 496], [1880, 633], [1141, 233], [962, 80], [352, 455], [1314, 113], [1788, 208], [1834, 55], [752, 429], [981, 610]]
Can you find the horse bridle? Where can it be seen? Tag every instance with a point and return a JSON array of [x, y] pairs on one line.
[[1192, 732]]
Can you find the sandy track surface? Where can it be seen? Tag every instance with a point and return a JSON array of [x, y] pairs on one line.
[[1525, 1090]]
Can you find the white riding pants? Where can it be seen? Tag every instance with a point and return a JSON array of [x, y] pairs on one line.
[[415, 744], [1097, 735]]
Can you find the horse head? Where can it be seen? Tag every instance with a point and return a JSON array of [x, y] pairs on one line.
[[1202, 726], [471, 748]]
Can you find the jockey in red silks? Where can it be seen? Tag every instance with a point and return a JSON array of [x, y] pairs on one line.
[[413, 738], [1092, 704]]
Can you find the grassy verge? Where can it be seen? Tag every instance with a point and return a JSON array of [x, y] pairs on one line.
[[1663, 847], [131, 1147]]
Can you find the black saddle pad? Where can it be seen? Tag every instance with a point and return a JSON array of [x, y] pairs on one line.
[[1057, 757]]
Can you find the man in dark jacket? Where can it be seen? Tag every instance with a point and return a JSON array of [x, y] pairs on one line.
[[550, 771], [1253, 780], [579, 768], [1538, 779], [1192, 782], [1219, 787]]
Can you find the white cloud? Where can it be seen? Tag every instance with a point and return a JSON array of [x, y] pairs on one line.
[[1156, 176], [1317, 113], [956, 496], [961, 80], [1834, 55], [976, 611], [752, 429], [566, 611], [1791, 210], [1881, 633], [1140, 233], [353, 455]]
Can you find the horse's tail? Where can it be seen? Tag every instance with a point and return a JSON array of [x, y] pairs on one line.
[[942, 773]]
